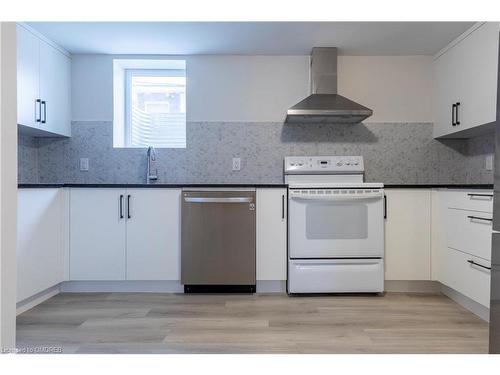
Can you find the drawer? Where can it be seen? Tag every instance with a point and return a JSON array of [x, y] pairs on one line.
[[476, 200], [336, 276], [469, 231], [457, 272]]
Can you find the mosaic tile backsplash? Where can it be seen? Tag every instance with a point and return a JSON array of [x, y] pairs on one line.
[[394, 153]]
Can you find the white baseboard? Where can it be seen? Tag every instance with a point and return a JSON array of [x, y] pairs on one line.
[[37, 299], [412, 286], [474, 307], [129, 286]]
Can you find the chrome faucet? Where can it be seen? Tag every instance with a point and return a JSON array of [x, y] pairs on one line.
[[151, 175]]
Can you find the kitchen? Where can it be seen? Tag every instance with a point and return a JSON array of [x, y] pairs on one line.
[[256, 218]]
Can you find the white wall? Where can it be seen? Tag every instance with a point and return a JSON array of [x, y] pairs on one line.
[[8, 184], [397, 88], [262, 88], [219, 88]]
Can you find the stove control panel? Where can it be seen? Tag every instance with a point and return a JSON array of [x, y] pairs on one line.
[[323, 164]]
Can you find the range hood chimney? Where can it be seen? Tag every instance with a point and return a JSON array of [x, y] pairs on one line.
[[324, 105]]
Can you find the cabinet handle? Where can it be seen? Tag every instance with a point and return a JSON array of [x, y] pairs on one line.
[[39, 106], [457, 121], [477, 264], [121, 206], [283, 206], [44, 111], [453, 123], [385, 206], [480, 195], [479, 218], [128, 207]]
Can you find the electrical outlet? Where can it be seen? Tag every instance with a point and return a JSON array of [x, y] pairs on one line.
[[488, 164], [84, 164], [236, 164]]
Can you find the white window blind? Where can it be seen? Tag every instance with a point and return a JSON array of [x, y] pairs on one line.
[[155, 108]]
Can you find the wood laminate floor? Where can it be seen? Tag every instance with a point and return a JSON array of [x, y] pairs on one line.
[[178, 323]]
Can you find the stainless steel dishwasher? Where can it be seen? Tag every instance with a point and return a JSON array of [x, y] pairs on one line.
[[218, 241]]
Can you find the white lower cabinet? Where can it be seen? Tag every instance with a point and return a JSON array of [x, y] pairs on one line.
[[469, 231], [271, 234], [125, 234], [466, 274], [408, 234], [153, 234], [464, 251], [40, 246], [97, 234], [442, 235]]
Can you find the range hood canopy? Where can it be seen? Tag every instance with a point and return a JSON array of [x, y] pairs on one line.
[[324, 105]]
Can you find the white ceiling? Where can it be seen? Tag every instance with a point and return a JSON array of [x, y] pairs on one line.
[[252, 38]]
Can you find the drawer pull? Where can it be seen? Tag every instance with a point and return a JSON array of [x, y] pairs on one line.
[[480, 195], [477, 264], [479, 218]]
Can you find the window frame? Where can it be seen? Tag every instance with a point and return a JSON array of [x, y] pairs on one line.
[[152, 72]]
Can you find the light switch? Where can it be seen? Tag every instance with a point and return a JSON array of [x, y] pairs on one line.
[[488, 165], [236, 164], [84, 164]]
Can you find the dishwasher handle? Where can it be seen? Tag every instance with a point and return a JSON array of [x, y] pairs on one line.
[[218, 199]]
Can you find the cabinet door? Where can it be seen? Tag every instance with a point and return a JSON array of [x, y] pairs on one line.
[[469, 231], [470, 279], [271, 234], [408, 235], [153, 234], [467, 74], [55, 72], [97, 240], [477, 59], [445, 82], [39, 241], [27, 78]]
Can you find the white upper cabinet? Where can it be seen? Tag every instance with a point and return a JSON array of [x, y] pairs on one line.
[[271, 234], [28, 78], [153, 234], [55, 90], [465, 83], [44, 86]]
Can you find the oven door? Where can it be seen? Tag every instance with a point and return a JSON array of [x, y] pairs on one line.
[[336, 223]]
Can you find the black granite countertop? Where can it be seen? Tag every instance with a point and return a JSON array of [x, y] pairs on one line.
[[161, 185], [439, 186]]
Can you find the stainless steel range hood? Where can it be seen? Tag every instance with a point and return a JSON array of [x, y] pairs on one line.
[[324, 105]]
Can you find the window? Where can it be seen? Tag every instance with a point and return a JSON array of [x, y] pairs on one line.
[[152, 100]]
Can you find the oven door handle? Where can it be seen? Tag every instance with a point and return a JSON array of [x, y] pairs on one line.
[[337, 197]]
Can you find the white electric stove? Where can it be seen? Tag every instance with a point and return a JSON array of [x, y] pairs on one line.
[[335, 226]]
